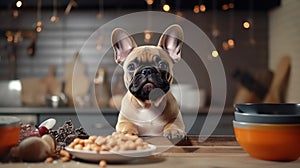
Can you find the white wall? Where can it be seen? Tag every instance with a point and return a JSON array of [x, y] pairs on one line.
[[284, 38]]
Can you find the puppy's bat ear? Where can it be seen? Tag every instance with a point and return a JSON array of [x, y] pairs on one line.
[[122, 44], [171, 41]]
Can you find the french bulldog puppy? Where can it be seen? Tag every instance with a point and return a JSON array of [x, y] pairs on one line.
[[149, 108]]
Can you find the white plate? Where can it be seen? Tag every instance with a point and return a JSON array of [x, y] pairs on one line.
[[121, 156]]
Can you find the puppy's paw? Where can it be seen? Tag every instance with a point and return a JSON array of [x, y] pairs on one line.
[[130, 131], [127, 128], [174, 133]]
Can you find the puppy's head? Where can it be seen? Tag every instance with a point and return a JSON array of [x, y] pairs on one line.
[[148, 69]]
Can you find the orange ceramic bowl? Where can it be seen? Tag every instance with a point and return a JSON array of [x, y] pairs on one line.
[[10, 133], [275, 142]]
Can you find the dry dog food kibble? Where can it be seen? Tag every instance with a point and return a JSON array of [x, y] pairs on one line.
[[102, 164], [49, 160], [64, 156], [115, 142]]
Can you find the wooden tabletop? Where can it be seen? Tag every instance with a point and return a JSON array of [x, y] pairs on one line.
[[214, 152], [195, 145]]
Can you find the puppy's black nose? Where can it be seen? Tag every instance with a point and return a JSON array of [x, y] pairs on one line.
[[147, 71]]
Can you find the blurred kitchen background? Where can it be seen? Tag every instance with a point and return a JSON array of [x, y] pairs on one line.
[[257, 41]]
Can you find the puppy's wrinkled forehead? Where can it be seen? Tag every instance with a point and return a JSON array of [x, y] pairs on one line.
[[147, 54]]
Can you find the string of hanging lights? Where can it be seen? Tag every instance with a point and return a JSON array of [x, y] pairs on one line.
[[39, 22], [250, 22], [200, 7], [100, 9], [54, 17], [230, 42], [147, 33]]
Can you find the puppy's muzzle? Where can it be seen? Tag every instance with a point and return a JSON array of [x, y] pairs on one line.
[[147, 71], [148, 80]]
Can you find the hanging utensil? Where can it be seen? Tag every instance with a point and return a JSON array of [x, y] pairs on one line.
[[70, 5]]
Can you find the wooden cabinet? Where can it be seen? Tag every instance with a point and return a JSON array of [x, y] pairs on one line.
[[195, 123], [96, 122]]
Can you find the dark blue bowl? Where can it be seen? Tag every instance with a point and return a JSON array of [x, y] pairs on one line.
[[285, 113], [269, 108]]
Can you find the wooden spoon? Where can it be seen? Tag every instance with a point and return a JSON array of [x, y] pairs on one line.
[[279, 82], [77, 85], [33, 91], [54, 85]]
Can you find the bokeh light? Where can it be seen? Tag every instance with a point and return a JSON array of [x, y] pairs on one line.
[[246, 25], [215, 53], [166, 7]]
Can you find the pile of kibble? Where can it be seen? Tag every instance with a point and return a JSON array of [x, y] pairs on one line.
[[113, 143]]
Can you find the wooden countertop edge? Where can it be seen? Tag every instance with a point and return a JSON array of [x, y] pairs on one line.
[[93, 110]]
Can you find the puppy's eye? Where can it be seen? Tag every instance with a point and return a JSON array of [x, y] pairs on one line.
[[163, 65], [131, 66]]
